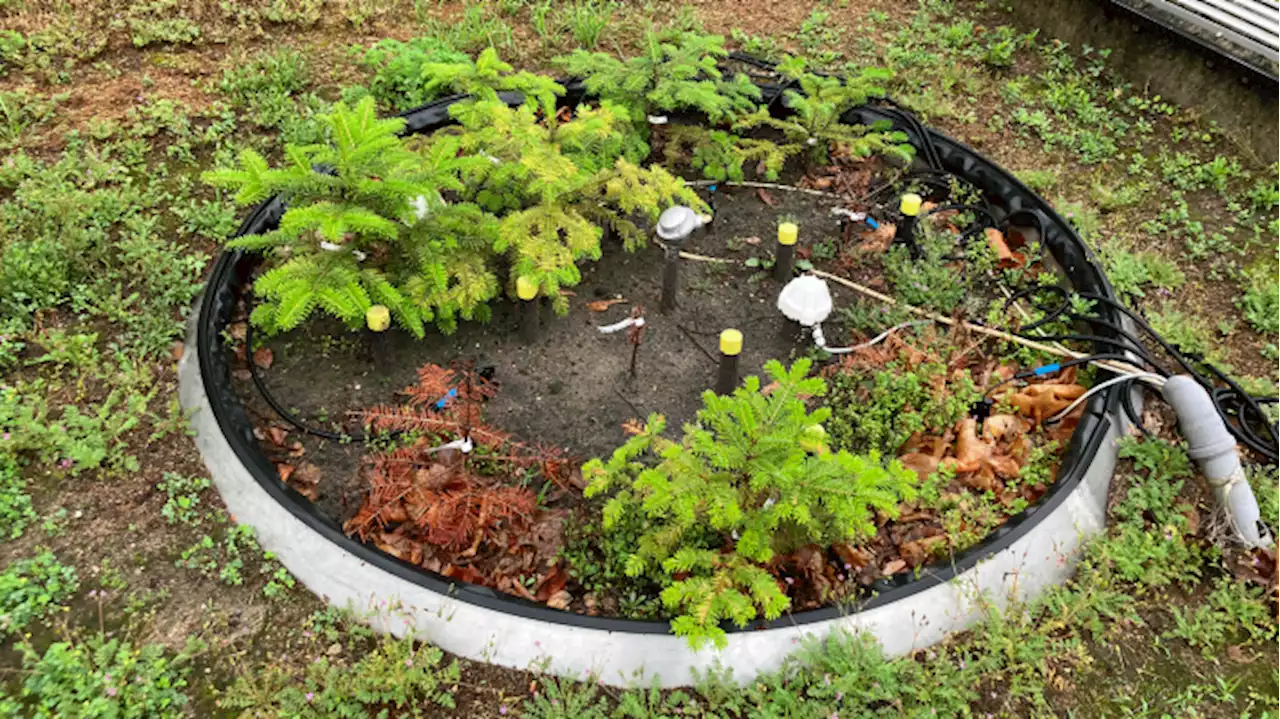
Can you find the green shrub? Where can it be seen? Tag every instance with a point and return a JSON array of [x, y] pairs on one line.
[[751, 474], [78, 439], [16, 511], [105, 678], [398, 70], [814, 125], [556, 184], [676, 71], [32, 589], [397, 673], [1260, 302], [880, 409], [1151, 543], [722, 155], [377, 229], [1131, 272], [348, 239]]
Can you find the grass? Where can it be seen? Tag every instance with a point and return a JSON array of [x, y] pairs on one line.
[[108, 114]]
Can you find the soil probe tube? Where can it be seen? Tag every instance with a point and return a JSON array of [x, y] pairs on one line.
[[670, 278], [784, 257], [378, 319], [909, 206], [527, 291], [730, 348]]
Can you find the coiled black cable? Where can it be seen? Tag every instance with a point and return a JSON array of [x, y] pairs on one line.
[[1241, 411], [275, 405]]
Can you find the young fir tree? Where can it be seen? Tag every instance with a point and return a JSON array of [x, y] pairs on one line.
[[817, 105], [677, 71], [752, 477], [485, 77], [556, 184], [353, 233], [722, 155]]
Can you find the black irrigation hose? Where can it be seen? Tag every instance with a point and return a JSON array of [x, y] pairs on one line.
[[1242, 412], [275, 405]]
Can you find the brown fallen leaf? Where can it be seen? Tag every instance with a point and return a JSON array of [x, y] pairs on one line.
[[552, 583], [437, 476], [264, 357], [560, 600], [602, 305], [879, 239], [765, 197], [1235, 653], [307, 482], [922, 464], [463, 574], [238, 330], [893, 567], [918, 551], [970, 451], [1041, 401], [285, 471], [753, 240], [277, 435], [296, 449], [1001, 425], [241, 375], [176, 351]]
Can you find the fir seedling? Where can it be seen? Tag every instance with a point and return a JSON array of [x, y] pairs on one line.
[[556, 186], [485, 77], [722, 155], [814, 125], [677, 71], [750, 479], [352, 237]]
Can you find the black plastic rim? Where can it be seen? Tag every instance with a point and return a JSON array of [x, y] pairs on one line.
[[233, 268]]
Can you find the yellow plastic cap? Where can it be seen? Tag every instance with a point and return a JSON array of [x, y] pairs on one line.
[[378, 317], [526, 289], [788, 233], [730, 342], [910, 205]]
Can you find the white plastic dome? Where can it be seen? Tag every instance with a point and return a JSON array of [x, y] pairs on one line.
[[806, 300]]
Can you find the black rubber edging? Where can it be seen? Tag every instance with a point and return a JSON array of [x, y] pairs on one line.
[[232, 271]]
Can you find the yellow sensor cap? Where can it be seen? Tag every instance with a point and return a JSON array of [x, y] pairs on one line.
[[788, 233], [526, 289], [378, 317], [910, 205], [730, 342]]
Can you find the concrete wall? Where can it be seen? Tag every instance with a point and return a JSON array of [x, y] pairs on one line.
[[1242, 102]]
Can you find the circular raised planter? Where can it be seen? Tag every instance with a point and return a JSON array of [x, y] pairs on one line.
[[1029, 552]]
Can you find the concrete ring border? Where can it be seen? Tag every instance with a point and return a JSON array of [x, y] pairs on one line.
[[1041, 557]]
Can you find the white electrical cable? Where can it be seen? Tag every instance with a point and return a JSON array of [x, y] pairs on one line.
[[1154, 380], [821, 342], [462, 445], [619, 326]]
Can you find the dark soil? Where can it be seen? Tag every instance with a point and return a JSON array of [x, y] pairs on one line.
[[571, 387]]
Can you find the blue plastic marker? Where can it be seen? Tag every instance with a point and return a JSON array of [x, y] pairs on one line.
[[445, 399]]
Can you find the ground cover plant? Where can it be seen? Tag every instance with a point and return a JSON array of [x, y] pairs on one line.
[[112, 112]]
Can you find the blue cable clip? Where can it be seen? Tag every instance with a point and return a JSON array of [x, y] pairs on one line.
[[1047, 369], [445, 399]]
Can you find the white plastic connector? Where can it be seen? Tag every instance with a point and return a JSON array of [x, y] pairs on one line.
[[1214, 449]]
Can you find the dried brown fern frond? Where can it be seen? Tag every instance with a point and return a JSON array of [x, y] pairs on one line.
[[434, 383], [461, 518]]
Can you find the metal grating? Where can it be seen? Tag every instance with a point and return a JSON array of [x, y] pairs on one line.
[[1247, 31]]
